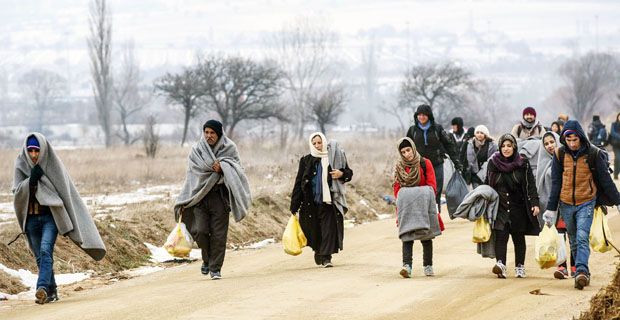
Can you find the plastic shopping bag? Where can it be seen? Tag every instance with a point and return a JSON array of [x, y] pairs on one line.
[[293, 238], [482, 230], [599, 232], [561, 250], [546, 253], [179, 242], [456, 190]]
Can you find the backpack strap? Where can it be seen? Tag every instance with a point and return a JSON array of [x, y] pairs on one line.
[[423, 167], [519, 130], [561, 154]]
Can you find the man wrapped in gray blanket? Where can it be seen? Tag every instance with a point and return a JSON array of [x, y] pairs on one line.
[[214, 186]]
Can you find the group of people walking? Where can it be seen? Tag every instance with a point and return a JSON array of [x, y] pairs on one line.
[[541, 175]]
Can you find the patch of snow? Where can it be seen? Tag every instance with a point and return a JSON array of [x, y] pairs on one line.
[[260, 244], [364, 203], [384, 216], [144, 270], [159, 254], [349, 223], [29, 279]]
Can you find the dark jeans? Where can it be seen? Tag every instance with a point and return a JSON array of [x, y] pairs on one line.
[[41, 231], [439, 179], [210, 227], [501, 246], [427, 248], [616, 162]]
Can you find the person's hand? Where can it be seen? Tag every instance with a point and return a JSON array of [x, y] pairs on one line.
[[217, 167], [336, 174], [549, 216], [35, 174], [535, 210]]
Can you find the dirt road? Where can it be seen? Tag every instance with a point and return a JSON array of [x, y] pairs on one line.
[[364, 284]]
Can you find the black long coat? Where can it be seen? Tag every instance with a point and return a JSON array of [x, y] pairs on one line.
[[302, 199], [525, 183]]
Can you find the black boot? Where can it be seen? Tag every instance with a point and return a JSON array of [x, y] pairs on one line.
[[205, 268]]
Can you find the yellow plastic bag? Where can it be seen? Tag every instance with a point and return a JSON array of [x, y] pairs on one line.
[[482, 230], [179, 242], [599, 232], [293, 238], [546, 252]]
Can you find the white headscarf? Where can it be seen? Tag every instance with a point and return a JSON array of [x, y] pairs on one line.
[[323, 154]]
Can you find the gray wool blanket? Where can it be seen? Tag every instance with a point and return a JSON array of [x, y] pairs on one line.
[[482, 201], [417, 214], [337, 160], [529, 150], [543, 175], [201, 178], [56, 190]]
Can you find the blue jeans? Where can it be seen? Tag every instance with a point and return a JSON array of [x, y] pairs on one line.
[[42, 232], [578, 221]]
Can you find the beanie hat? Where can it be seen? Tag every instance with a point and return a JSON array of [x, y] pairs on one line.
[[32, 143], [483, 129], [529, 110], [215, 126], [404, 144], [596, 118]]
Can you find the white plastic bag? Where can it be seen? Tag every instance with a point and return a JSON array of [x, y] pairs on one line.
[[561, 250], [179, 243]]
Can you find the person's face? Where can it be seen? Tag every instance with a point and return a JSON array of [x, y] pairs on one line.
[[529, 117], [573, 142], [455, 128], [317, 142], [34, 155], [422, 118], [555, 128], [549, 144], [210, 136], [407, 153], [507, 149], [480, 136], [618, 117]]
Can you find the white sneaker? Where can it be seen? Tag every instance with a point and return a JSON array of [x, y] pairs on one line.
[[500, 270], [520, 271], [428, 271], [405, 272]]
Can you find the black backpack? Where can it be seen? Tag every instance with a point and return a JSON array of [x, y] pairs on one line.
[[593, 153]]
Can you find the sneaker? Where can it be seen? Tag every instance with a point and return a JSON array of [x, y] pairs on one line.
[[318, 259], [205, 268], [428, 271], [327, 264], [581, 280], [500, 270], [41, 296], [52, 297], [405, 272], [216, 275], [520, 271], [560, 273]]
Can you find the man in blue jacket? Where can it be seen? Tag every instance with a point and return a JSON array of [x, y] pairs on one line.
[[580, 181]]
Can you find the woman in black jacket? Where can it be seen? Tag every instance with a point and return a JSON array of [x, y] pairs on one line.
[[321, 209], [511, 176]]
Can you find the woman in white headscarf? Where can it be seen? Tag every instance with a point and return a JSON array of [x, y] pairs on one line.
[[479, 151], [550, 143], [318, 196]]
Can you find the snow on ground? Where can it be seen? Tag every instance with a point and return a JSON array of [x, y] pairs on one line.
[[260, 244], [29, 279], [144, 270], [159, 254]]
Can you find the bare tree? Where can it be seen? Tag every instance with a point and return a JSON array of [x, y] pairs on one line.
[[129, 99], [395, 111], [302, 49], [99, 50], [490, 106], [588, 79], [327, 106], [443, 86], [44, 88], [182, 89], [150, 137], [240, 89], [370, 60]]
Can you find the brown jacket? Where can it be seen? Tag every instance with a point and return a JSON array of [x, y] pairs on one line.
[[578, 185]]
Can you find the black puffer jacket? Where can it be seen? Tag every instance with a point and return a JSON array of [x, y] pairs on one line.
[[438, 143]]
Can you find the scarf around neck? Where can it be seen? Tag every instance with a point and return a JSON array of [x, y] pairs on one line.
[[425, 129], [324, 156], [412, 178]]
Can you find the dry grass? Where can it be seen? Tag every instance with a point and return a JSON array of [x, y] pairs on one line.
[[605, 305], [271, 172]]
